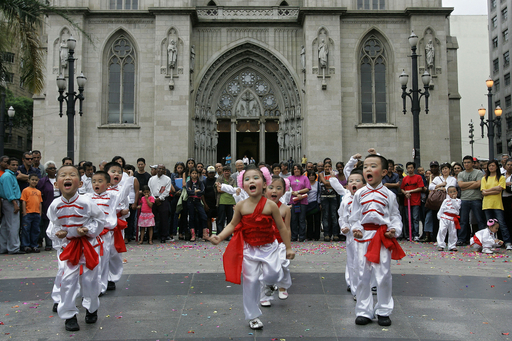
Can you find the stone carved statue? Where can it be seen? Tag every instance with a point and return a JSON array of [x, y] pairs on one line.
[[303, 57], [298, 137], [215, 140], [192, 58], [172, 54], [430, 54], [202, 138], [255, 110], [64, 55], [280, 139], [196, 136], [323, 53]]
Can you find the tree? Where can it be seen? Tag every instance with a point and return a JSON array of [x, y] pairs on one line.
[[24, 108], [21, 24]]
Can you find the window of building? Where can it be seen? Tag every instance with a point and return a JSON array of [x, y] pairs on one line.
[[499, 147], [373, 82], [8, 57], [121, 82], [508, 101], [9, 77], [494, 42], [20, 142], [509, 122], [507, 79], [371, 4], [497, 85], [505, 35], [504, 14], [506, 58], [494, 21], [124, 4], [496, 65]]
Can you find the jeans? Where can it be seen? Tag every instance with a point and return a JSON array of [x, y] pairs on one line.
[[30, 230], [431, 222], [466, 207], [329, 208], [224, 211], [193, 205], [43, 235], [498, 214], [298, 223], [415, 221]]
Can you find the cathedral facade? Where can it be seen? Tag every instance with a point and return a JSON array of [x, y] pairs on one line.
[[168, 80]]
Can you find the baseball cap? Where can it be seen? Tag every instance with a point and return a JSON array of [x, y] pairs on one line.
[[434, 163], [154, 166], [210, 169], [475, 159]]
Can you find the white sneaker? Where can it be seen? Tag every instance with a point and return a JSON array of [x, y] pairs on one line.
[[509, 246], [265, 303], [255, 323], [283, 294], [486, 250], [269, 290], [416, 239]]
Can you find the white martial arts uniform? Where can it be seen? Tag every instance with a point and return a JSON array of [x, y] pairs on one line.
[[108, 202], [485, 239], [57, 245], [373, 206], [116, 261], [66, 215], [86, 185], [446, 213]]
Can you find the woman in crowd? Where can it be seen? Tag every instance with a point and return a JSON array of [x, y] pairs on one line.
[[313, 210], [300, 185], [507, 195], [179, 169], [329, 205], [133, 199], [48, 192], [493, 183]]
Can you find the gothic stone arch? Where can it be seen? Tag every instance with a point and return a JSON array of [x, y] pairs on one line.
[[248, 89]]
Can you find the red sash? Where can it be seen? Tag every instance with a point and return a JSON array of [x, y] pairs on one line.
[[118, 235], [373, 251], [477, 241], [234, 254], [74, 250], [455, 219]]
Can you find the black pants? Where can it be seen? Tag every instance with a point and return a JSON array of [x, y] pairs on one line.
[[313, 226], [162, 227], [224, 211], [129, 233]]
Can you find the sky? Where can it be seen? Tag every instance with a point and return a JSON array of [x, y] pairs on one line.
[[467, 7]]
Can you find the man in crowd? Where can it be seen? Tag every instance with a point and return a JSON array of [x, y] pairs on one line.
[[504, 158], [239, 165], [471, 197], [320, 167], [67, 161], [392, 180], [210, 197], [10, 195], [218, 169], [160, 186], [284, 170], [25, 169], [36, 161], [141, 174], [225, 201]]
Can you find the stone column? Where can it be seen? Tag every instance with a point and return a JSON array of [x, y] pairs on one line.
[[233, 142], [262, 140]]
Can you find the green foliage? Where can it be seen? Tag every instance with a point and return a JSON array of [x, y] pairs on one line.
[[24, 108]]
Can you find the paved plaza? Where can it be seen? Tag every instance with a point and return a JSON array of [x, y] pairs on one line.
[[177, 291]]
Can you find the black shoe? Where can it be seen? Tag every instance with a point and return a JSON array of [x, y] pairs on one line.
[[335, 239], [91, 317], [348, 288], [111, 286], [36, 250], [162, 241], [27, 250], [54, 309], [327, 239], [384, 320], [72, 324], [374, 290], [361, 320], [101, 294], [459, 243]]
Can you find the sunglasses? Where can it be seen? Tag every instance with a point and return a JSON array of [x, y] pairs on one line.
[[28, 158]]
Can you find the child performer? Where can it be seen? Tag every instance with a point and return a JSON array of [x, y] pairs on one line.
[[77, 222], [253, 249], [375, 221], [484, 240], [274, 192], [448, 216], [146, 218], [355, 182], [195, 190]]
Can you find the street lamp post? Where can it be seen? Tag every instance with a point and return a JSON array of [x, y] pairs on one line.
[[471, 135], [10, 113], [491, 122], [415, 95], [71, 96]]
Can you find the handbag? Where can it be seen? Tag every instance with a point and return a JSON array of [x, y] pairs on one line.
[[435, 199], [312, 208]]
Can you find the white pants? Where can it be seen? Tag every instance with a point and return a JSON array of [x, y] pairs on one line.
[[70, 290], [445, 226], [287, 278], [364, 271], [350, 275], [261, 264], [115, 264], [58, 278], [108, 244]]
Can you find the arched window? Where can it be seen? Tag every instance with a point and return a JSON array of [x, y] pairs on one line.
[[211, 3], [283, 3], [373, 81], [121, 81]]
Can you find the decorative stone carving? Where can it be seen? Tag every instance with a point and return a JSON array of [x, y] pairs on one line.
[[172, 54], [430, 54], [63, 56], [303, 58], [247, 14], [192, 58], [323, 52]]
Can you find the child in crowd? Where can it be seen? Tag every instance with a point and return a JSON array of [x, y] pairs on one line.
[[486, 239], [254, 244], [274, 192], [75, 223], [448, 216], [375, 221], [86, 178], [355, 182], [195, 190], [146, 218], [31, 204]]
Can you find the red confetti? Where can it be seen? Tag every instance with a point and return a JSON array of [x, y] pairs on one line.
[[492, 286], [505, 333]]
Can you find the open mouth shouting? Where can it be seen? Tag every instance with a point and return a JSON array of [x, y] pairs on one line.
[[273, 197], [369, 177], [68, 184], [116, 178], [354, 188], [252, 188]]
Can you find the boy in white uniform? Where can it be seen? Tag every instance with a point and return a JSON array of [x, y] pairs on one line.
[[375, 221], [77, 222], [448, 216]]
